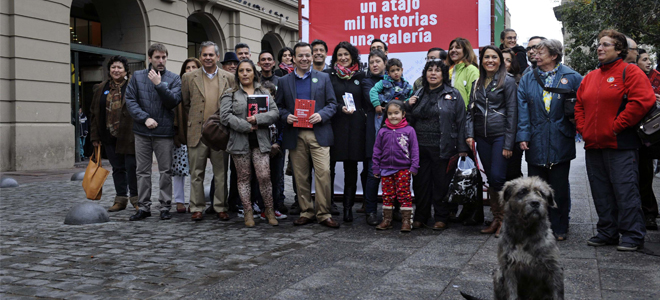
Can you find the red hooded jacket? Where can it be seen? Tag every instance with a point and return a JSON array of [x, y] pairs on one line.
[[601, 117]]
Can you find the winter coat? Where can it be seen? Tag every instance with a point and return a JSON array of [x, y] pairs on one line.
[[367, 83], [494, 111], [521, 57], [125, 139], [384, 90], [396, 149], [551, 136], [233, 113], [604, 120], [146, 100], [452, 118], [462, 79], [349, 130]]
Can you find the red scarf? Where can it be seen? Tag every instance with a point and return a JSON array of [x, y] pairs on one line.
[[346, 73], [288, 68], [401, 124]]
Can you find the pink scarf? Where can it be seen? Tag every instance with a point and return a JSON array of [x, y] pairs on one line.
[[288, 68], [401, 124]]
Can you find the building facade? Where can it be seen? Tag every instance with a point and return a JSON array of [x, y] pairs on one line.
[[52, 52]]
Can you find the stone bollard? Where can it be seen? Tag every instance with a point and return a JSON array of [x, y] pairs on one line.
[[86, 213], [78, 176], [8, 182]]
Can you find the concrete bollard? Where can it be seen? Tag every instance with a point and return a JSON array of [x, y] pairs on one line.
[[86, 213], [8, 182], [78, 176]]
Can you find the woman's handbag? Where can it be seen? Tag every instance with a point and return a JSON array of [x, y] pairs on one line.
[[214, 134], [95, 176], [649, 127], [463, 188]]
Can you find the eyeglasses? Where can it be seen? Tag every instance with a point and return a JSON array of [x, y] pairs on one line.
[[511, 38], [531, 48], [605, 45], [632, 49]]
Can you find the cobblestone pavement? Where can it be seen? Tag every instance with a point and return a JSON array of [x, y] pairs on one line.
[[153, 259]]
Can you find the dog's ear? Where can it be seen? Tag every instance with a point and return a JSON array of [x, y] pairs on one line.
[[549, 195], [507, 191]]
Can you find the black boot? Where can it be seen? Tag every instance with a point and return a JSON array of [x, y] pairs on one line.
[[349, 200]]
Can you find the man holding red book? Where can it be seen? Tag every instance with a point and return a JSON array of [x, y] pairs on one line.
[[308, 137]]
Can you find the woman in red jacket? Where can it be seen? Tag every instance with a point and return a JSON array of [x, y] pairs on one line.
[[607, 123]]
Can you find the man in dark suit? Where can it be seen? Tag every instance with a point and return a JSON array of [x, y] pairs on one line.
[[309, 145]]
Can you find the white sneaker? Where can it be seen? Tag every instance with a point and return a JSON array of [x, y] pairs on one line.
[[240, 213], [279, 215]]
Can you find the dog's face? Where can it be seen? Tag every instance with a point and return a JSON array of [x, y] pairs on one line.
[[527, 198]]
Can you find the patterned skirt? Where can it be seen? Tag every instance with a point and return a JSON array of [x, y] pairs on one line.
[[180, 166]]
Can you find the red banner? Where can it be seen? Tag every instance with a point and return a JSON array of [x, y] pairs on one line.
[[405, 25]]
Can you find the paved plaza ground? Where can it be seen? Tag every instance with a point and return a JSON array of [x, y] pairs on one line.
[[40, 257]]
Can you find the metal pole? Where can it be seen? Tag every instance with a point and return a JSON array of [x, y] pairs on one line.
[[76, 96]]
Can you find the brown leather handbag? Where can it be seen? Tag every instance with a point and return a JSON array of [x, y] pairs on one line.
[[95, 176], [214, 134]]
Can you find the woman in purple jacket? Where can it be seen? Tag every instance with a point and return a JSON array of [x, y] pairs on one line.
[[395, 159]]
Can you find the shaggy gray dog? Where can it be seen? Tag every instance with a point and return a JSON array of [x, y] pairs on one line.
[[527, 254]]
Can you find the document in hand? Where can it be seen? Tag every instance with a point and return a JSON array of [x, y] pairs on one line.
[[303, 110], [257, 104]]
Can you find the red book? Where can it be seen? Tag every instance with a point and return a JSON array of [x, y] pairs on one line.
[[655, 81], [303, 110]]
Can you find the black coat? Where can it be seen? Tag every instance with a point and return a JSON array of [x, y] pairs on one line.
[[369, 81], [349, 130]]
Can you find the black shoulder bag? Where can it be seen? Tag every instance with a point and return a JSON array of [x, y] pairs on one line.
[[570, 96], [648, 128]]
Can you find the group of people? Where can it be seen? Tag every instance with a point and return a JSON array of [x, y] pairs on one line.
[[495, 108]]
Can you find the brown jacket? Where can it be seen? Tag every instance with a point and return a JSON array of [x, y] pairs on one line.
[[192, 88], [125, 139]]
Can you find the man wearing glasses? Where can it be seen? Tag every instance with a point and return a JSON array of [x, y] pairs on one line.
[[531, 52], [632, 52]]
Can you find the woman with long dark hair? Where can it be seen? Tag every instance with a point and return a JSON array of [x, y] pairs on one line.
[[112, 127], [437, 114], [349, 123], [249, 139], [491, 122], [285, 57]]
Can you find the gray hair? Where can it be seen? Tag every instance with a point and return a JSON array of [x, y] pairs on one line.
[[554, 48], [208, 44]]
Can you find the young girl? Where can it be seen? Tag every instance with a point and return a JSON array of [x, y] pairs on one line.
[[396, 156]]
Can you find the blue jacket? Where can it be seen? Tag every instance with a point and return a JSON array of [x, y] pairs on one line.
[[145, 100], [551, 136], [326, 106], [384, 91]]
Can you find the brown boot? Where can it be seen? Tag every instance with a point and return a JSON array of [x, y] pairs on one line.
[[406, 216], [249, 218], [270, 216], [120, 204], [497, 211], [134, 201], [387, 219]]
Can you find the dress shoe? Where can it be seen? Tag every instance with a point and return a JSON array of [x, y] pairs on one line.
[[140, 215], [418, 225], [165, 215], [439, 226], [197, 216], [334, 210], [223, 216], [329, 222], [181, 208], [372, 219], [302, 221]]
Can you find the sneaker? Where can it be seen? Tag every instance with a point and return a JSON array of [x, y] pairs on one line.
[[240, 213], [628, 247], [597, 242], [278, 215], [256, 209]]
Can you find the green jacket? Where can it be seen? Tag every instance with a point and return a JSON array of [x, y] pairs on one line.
[[462, 79]]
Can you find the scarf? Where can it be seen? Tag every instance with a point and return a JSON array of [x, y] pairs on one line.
[[346, 73], [288, 68], [113, 107], [400, 125], [549, 78]]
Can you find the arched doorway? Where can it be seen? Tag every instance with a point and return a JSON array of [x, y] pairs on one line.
[[99, 30], [203, 27], [272, 42]]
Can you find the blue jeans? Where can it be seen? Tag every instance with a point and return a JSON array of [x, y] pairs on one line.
[[495, 165], [378, 120], [371, 189]]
